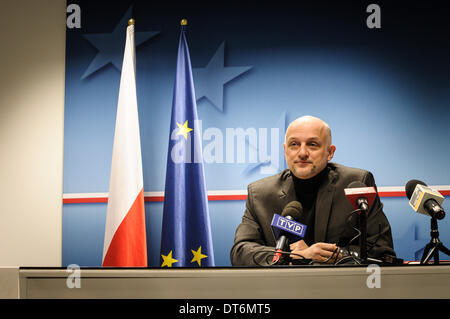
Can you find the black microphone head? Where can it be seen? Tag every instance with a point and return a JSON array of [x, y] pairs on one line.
[[293, 209], [356, 184], [411, 186]]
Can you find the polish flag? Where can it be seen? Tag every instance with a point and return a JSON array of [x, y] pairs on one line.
[[125, 242]]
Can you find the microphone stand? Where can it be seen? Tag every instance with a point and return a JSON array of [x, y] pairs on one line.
[[433, 248], [363, 238]]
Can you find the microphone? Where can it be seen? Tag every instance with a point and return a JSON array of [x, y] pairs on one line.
[[424, 199], [285, 227], [359, 195]]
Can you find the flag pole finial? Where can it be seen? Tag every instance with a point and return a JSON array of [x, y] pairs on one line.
[[131, 21], [183, 22]]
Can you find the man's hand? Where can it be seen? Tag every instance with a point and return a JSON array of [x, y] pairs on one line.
[[318, 252]]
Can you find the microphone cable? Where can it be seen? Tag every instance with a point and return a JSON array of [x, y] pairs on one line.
[[371, 245], [274, 251]]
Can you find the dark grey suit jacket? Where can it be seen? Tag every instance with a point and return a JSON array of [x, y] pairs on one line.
[[270, 195]]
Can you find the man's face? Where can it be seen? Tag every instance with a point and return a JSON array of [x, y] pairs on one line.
[[307, 148]]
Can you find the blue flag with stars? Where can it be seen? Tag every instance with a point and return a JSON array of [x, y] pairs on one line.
[[186, 239]]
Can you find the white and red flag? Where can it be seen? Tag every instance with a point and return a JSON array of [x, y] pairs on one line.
[[125, 242]]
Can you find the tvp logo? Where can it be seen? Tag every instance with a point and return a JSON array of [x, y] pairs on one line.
[[288, 227]]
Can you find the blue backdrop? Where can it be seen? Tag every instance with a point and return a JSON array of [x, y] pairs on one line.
[[384, 92]]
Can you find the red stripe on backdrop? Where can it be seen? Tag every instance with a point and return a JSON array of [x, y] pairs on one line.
[[392, 194], [154, 198], [227, 197], [85, 200], [159, 198]]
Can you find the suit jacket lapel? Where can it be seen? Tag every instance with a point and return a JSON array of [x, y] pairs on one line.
[[287, 192], [323, 207]]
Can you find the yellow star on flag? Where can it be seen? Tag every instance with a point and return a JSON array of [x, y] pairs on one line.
[[183, 129], [168, 260], [198, 256]]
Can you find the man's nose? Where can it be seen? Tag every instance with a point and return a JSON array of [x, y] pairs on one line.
[[303, 152]]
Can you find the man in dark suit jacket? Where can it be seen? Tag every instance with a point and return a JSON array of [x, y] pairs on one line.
[[319, 186]]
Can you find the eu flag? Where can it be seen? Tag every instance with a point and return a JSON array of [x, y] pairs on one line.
[[186, 232]]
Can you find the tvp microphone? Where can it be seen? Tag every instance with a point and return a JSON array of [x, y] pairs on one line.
[[359, 195], [424, 199], [285, 227]]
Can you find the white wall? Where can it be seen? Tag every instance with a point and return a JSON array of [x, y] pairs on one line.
[[32, 62]]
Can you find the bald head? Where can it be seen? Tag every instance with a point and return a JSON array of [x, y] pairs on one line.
[[311, 121]]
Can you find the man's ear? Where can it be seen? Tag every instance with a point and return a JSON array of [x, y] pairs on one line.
[[331, 150]]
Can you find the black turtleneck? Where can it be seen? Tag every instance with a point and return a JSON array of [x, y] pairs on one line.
[[306, 191]]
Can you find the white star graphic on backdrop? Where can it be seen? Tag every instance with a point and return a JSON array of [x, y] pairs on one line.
[[110, 46], [210, 80]]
